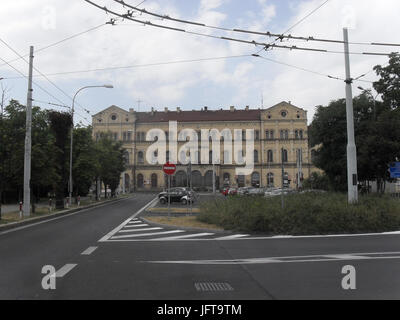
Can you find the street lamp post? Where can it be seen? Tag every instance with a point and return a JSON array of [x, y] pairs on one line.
[[109, 86]]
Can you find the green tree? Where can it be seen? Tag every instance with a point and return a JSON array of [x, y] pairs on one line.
[[110, 155], [60, 124], [85, 163]]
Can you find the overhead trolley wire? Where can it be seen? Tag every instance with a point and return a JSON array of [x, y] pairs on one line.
[[269, 34], [253, 42]]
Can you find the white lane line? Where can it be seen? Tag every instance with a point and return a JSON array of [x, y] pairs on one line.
[[186, 236], [234, 236], [139, 230], [136, 225], [89, 251], [57, 218], [289, 259], [146, 234], [65, 269], [114, 231]]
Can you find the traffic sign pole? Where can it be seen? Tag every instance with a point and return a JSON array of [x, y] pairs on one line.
[[169, 169]]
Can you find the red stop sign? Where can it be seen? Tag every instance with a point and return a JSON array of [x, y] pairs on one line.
[[169, 168]]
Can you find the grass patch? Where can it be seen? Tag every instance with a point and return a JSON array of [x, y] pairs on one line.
[[304, 214], [187, 221]]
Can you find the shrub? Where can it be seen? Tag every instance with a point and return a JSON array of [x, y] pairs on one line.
[[308, 213]]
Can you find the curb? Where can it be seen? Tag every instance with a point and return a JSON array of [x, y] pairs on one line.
[[185, 228], [13, 225]]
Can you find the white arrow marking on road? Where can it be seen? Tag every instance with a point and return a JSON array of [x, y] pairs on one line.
[[146, 234], [65, 269], [142, 229]]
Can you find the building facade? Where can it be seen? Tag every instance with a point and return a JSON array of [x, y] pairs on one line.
[[281, 152]]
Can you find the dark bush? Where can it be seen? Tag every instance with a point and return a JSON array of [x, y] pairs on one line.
[[308, 213]]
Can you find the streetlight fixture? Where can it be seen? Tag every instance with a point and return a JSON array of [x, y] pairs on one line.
[[108, 86]]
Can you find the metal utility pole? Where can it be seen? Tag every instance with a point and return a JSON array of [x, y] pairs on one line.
[[283, 179], [213, 181], [351, 145], [28, 142]]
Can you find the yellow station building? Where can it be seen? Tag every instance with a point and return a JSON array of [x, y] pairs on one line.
[[280, 141]]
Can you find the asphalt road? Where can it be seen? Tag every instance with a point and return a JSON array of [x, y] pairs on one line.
[[188, 267]]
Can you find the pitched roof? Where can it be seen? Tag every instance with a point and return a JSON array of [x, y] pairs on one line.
[[194, 116]]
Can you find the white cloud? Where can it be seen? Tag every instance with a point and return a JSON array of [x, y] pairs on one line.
[[240, 81]]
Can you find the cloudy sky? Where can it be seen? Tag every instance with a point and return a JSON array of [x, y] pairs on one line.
[[237, 78]]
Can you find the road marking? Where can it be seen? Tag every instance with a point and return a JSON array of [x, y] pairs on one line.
[[146, 234], [186, 236], [57, 218], [136, 225], [213, 286], [114, 231], [89, 251], [291, 259], [234, 236], [136, 222], [65, 269], [141, 229]]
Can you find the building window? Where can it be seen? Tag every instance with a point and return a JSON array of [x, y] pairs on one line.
[[129, 136], [270, 156], [126, 157], [255, 179], [270, 179], [140, 157], [113, 117], [284, 134], [301, 134], [140, 180], [154, 180], [269, 134], [284, 155], [115, 136], [257, 135], [283, 113], [255, 156]]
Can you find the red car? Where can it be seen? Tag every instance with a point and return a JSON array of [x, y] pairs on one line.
[[232, 191], [225, 191]]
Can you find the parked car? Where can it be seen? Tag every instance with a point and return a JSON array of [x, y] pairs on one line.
[[278, 191], [243, 191], [233, 191], [225, 191], [180, 194]]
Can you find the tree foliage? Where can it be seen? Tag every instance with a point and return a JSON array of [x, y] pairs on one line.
[[376, 128]]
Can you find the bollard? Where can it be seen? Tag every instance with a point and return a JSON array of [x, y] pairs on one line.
[[50, 205], [20, 209], [79, 200]]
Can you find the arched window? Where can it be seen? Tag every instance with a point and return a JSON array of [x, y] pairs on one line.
[[270, 179], [255, 179], [270, 156], [140, 180], [284, 155], [140, 157], [126, 157], [255, 156], [154, 180]]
